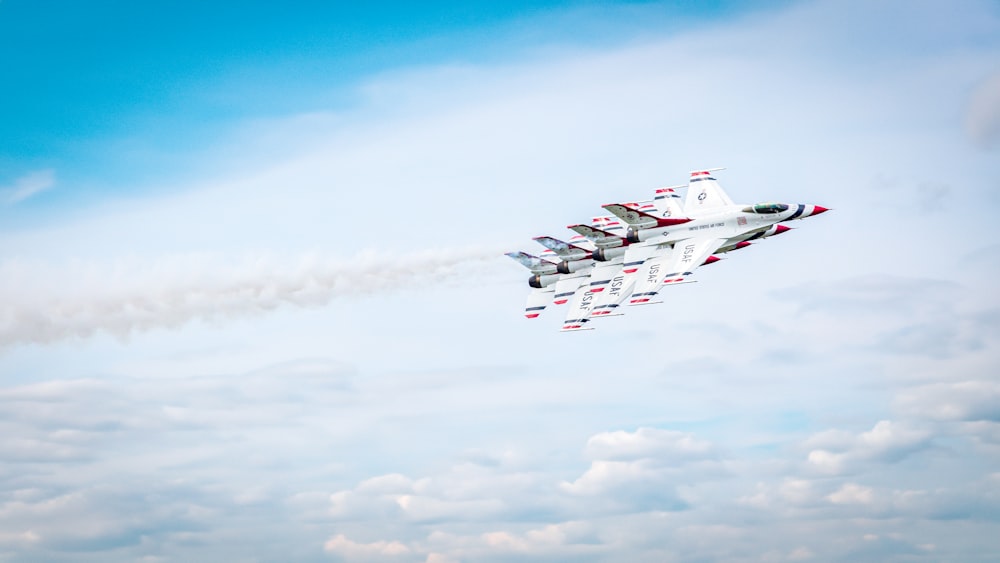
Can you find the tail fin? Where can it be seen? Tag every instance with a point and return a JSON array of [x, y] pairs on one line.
[[608, 223], [600, 237], [533, 263], [668, 202], [705, 193], [564, 250]]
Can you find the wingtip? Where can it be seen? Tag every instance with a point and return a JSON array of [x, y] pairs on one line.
[[574, 328]]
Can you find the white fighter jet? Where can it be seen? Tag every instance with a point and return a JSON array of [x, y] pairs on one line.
[[557, 273], [663, 245], [566, 281], [670, 253], [560, 275]]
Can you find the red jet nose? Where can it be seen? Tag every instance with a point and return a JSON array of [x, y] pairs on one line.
[[817, 209]]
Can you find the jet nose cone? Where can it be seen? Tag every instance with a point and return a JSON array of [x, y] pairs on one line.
[[817, 209]]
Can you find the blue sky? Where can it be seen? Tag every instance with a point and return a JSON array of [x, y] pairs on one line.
[[157, 83], [254, 305]]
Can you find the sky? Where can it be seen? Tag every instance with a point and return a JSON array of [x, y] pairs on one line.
[[253, 303]]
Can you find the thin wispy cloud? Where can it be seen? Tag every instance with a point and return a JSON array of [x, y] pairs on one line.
[[982, 116], [29, 185]]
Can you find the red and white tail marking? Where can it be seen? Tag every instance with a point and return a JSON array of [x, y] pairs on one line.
[[705, 193]]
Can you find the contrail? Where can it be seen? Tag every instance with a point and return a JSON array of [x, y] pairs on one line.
[[46, 307]]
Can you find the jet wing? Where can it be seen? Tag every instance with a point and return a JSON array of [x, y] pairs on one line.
[[622, 280], [650, 274], [580, 306], [538, 299], [673, 266], [603, 273], [568, 284]]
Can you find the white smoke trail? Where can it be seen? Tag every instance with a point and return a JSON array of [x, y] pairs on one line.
[[44, 305]]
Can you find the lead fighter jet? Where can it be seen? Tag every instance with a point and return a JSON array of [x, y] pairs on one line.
[[665, 243]]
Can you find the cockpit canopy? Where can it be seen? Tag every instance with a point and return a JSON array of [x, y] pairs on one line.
[[769, 207]]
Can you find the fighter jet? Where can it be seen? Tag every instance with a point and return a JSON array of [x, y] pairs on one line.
[[586, 267], [664, 243], [671, 248]]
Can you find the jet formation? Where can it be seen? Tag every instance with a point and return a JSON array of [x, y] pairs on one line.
[[628, 257]]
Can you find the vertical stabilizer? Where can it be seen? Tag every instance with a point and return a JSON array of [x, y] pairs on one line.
[[668, 202], [705, 193]]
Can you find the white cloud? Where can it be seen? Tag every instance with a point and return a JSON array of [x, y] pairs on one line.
[[608, 476], [643, 469], [982, 115], [386, 484], [887, 442], [428, 508], [801, 554], [969, 400], [789, 493], [29, 185], [352, 550], [851, 493], [667, 446]]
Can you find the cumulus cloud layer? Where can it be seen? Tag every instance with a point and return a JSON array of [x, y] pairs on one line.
[[824, 395]]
